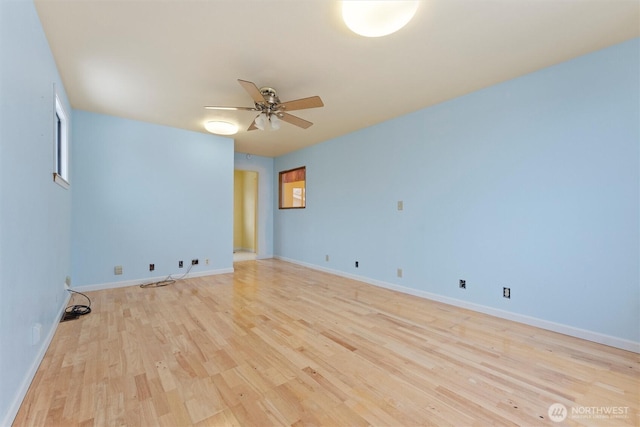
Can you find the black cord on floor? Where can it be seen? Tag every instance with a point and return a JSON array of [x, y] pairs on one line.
[[78, 309], [169, 280]]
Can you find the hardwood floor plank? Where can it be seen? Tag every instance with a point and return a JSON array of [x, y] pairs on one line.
[[278, 344], [222, 418]]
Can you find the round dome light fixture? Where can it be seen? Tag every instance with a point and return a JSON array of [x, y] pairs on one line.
[[377, 18], [221, 128]]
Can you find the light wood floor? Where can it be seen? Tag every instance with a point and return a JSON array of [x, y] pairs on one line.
[[278, 344]]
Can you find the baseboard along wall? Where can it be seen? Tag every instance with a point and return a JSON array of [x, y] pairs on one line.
[[503, 314]]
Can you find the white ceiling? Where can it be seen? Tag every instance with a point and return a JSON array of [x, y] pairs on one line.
[[162, 61]]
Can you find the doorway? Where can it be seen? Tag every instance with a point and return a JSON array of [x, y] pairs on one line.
[[245, 215]]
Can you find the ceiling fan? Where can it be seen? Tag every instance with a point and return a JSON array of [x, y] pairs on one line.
[[271, 110]]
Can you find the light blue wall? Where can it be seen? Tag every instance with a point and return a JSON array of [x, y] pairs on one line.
[[145, 193], [531, 184], [264, 167], [34, 211]]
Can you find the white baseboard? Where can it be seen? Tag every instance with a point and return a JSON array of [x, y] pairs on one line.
[[31, 373], [596, 337], [136, 282]]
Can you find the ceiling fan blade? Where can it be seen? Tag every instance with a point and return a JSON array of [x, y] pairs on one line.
[[253, 126], [301, 104], [294, 120], [252, 90], [209, 107]]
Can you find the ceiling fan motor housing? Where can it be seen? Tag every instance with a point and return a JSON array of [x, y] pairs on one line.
[[270, 95]]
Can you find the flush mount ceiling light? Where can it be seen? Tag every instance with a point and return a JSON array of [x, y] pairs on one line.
[[377, 18], [221, 128]]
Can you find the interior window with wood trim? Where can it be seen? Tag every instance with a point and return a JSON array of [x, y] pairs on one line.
[[293, 188]]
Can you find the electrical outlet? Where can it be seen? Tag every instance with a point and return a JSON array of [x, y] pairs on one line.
[[506, 292], [117, 270], [180, 264], [463, 284], [206, 261], [399, 273], [357, 264], [194, 262], [400, 205], [326, 258], [152, 267]]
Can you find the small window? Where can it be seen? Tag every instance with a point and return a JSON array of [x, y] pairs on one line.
[[61, 145], [293, 188]]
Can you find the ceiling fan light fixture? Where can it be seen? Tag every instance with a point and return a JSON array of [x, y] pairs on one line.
[[271, 112], [275, 122], [266, 121], [221, 128], [377, 18], [261, 121]]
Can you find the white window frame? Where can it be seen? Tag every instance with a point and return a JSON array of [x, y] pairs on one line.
[[60, 144]]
